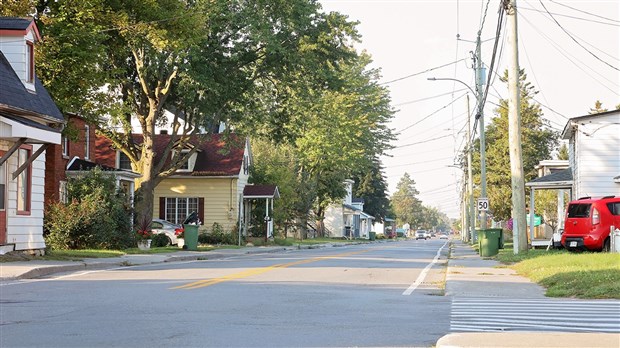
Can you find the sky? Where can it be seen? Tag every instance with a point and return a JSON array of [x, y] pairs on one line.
[[572, 63]]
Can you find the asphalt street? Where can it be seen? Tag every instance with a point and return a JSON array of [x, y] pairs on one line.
[[381, 294]]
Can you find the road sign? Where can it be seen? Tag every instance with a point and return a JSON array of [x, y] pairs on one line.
[[483, 204]]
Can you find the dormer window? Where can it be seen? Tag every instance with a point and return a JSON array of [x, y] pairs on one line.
[[30, 61], [123, 162], [188, 166]]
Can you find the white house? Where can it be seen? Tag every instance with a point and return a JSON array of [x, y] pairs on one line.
[[594, 154], [29, 123], [348, 219]]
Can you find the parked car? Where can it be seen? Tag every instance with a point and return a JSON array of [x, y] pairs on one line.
[[443, 236], [588, 222], [172, 231], [422, 234]]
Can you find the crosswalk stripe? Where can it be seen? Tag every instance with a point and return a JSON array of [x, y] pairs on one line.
[[493, 314]]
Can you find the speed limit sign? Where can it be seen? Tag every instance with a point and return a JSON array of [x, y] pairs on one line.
[[483, 204]]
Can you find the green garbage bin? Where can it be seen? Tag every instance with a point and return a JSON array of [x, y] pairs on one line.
[[191, 237], [372, 235], [488, 241]]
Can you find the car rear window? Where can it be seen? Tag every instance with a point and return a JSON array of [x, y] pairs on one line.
[[614, 208], [579, 210]]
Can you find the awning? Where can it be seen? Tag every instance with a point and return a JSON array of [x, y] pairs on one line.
[[559, 180], [261, 191], [15, 128]]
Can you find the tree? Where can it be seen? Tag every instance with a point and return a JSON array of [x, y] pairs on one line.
[[405, 204], [537, 141], [187, 63], [598, 108], [563, 152], [372, 187]]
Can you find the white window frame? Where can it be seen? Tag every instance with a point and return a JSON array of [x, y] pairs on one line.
[[87, 141], [120, 153], [65, 146], [171, 210]]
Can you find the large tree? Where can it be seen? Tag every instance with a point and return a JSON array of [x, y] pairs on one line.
[[372, 187], [538, 139], [405, 203], [186, 63]]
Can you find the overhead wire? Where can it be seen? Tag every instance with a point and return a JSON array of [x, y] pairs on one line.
[[421, 72], [566, 55], [431, 114], [569, 16], [427, 98], [575, 40]]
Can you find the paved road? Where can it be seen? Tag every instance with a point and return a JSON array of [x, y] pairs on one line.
[[384, 294]]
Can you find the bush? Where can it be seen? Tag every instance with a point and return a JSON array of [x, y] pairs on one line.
[[159, 240], [218, 236], [95, 217]]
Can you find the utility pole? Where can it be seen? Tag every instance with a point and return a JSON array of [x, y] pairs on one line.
[[514, 133], [470, 181], [480, 82]]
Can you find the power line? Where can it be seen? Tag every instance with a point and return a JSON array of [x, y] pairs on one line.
[[422, 72], [427, 98], [582, 11], [421, 162], [575, 40], [568, 16], [433, 113], [566, 55], [424, 141]]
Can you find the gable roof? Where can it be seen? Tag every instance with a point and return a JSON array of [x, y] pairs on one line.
[[561, 179], [218, 155], [569, 128], [261, 191], [15, 96], [20, 25]]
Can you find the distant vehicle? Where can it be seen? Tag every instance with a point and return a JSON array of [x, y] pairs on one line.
[[588, 223], [422, 234], [159, 226], [443, 236]]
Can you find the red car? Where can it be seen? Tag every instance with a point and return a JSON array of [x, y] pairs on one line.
[[588, 222]]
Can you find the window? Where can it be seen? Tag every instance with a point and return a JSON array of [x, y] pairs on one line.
[[87, 141], [65, 146], [23, 183], [62, 192], [185, 166], [2, 185], [177, 209], [30, 66], [123, 161]]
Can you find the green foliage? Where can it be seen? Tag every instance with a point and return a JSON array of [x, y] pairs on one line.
[[538, 139], [217, 235], [405, 204], [159, 240], [598, 108], [372, 187], [95, 217]]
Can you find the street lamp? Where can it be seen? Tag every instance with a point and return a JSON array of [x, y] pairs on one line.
[[483, 174]]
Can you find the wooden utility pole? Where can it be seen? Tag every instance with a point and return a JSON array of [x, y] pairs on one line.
[[514, 132], [471, 213], [480, 83]]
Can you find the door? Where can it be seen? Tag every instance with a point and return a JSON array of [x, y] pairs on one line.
[[2, 201]]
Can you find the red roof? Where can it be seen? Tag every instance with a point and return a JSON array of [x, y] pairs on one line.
[[261, 191], [217, 156]]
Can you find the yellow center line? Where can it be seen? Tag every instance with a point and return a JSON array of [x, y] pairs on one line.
[[256, 271]]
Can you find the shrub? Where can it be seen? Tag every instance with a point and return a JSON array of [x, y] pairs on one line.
[[95, 217], [159, 240]]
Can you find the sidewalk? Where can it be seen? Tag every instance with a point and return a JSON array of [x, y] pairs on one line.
[[40, 268], [469, 275]]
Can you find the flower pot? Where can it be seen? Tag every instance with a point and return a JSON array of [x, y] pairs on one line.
[[144, 244]]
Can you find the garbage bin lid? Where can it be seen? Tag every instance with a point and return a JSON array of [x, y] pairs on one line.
[[192, 217]]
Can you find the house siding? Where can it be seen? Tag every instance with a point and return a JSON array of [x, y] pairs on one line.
[[334, 221], [15, 50], [26, 231], [220, 197], [596, 159]]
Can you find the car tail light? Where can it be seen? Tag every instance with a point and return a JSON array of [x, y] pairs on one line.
[[178, 231], [595, 217]]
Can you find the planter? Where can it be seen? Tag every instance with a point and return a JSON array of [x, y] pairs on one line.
[[144, 244]]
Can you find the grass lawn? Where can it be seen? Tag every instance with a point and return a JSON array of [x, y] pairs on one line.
[[566, 274]]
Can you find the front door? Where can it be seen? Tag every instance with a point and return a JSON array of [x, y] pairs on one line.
[[2, 201]]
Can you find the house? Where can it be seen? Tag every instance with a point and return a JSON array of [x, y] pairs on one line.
[[210, 183], [593, 166], [348, 219], [594, 153], [30, 122]]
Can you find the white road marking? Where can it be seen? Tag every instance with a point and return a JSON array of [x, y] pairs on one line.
[[423, 274]]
